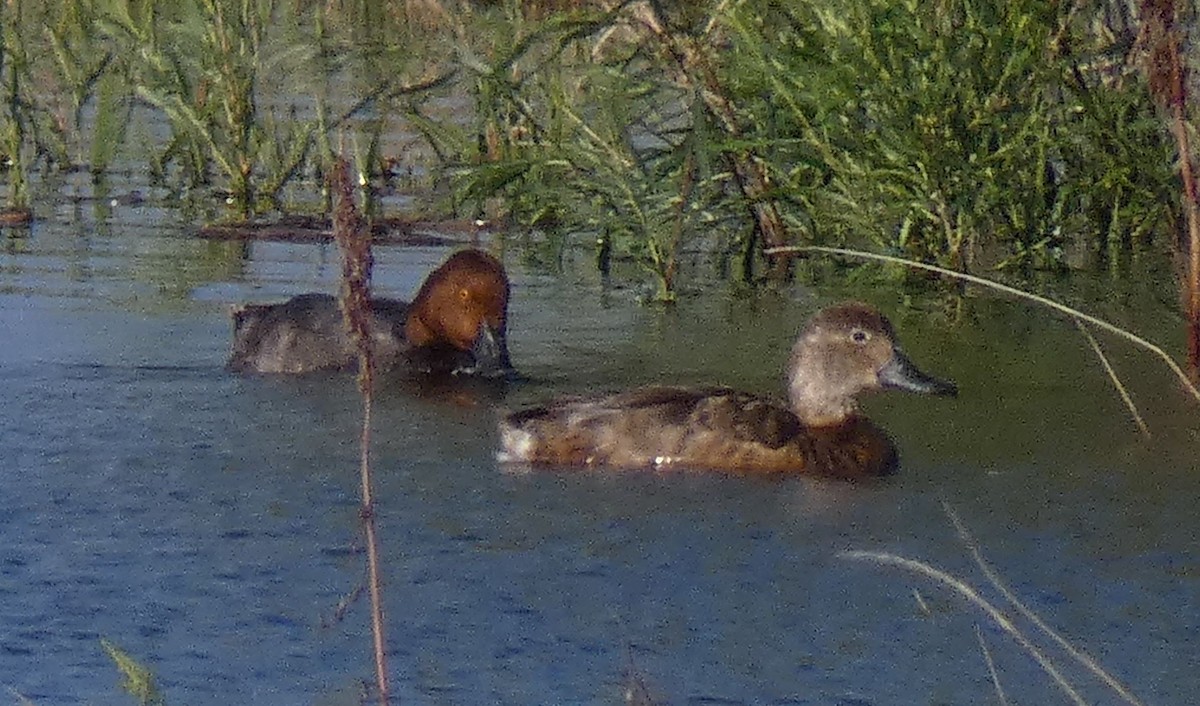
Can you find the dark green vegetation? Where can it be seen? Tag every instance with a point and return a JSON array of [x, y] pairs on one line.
[[973, 134]]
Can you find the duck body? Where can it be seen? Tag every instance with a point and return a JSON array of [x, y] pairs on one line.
[[306, 333], [714, 428], [456, 324], [843, 351]]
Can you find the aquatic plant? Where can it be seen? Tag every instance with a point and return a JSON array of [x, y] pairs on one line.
[[576, 142], [972, 133], [204, 65], [13, 65], [138, 680], [200, 70], [82, 60]]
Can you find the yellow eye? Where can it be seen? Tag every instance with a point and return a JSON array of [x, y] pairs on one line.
[[464, 294]]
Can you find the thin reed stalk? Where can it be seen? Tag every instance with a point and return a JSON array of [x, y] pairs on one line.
[[991, 665], [1001, 617], [1116, 381], [962, 276], [636, 691], [993, 577], [354, 241], [968, 592]]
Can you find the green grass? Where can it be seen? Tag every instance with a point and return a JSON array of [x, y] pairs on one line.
[[971, 134]]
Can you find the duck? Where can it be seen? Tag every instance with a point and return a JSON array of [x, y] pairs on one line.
[[456, 324], [843, 351]]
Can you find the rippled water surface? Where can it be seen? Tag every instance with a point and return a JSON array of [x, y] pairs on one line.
[[207, 523]]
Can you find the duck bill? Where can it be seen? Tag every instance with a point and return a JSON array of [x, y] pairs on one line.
[[490, 351], [902, 374]]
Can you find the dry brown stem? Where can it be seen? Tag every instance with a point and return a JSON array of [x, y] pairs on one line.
[[1166, 71], [354, 241]]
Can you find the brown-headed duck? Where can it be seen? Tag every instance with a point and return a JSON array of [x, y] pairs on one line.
[[456, 324], [843, 351]]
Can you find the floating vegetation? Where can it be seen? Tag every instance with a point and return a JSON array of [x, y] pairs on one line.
[[138, 680]]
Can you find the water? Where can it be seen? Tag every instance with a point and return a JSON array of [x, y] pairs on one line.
[[207, 523]]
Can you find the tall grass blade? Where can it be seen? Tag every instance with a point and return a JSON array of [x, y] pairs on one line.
[[1116, 380], [113, 112], [991, 665]]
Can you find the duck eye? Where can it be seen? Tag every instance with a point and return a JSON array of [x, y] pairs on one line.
[[464, 294], [860, 336]]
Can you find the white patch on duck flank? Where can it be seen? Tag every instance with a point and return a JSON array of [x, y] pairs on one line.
[[516, 445]]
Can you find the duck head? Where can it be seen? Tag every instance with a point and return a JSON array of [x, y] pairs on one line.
[[464, 304], [843, 351]]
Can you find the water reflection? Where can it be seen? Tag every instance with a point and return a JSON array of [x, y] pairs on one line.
[[207, 522]]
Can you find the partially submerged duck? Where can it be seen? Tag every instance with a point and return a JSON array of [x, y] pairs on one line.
[[843, 351], [456, 324]]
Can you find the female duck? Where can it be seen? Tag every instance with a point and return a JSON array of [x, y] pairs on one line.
[[843, 351], [456, 324]]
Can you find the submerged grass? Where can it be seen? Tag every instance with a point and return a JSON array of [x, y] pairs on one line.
[[138, 680]]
